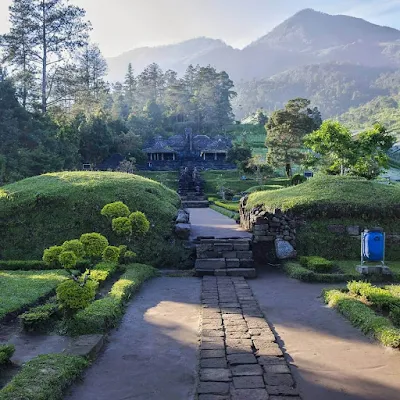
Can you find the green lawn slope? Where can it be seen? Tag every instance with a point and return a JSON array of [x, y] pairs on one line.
[[38, 212]]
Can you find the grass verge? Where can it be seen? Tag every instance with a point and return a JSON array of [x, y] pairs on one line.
[[227, 213], [19, 289], [104, 314], [44, 378], [361, 316]]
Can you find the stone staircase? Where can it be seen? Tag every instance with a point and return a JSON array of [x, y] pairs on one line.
[[194, 200], [191, 189], [224, 257]]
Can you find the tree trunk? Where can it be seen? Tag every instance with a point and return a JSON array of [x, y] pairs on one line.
[[44, 64], [288, 170]]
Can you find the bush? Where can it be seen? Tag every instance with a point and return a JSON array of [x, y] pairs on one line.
[[111, 254], [6, 352], [316, 264], [104, 314], [361, 316], [129, 256], [298, 179], [122, 250], [140, 224], [51, 256], [39, 319], [115, 210], [75, 246], [122, 226], [74, 297], [44, 378], [94, 244], [357, 287], [68, 259], [103, 271], [17, 265]]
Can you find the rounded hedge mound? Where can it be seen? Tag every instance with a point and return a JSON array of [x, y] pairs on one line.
[[47, 210], [333, 197]]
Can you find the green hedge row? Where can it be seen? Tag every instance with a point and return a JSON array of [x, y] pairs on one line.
[[6, 352], [296, 271], [104, 314], [316, 264], [227, 213], [361, 316], [44, 378], [34, 265]]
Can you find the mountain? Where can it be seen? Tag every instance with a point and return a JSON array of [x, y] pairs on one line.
[[337, 61]]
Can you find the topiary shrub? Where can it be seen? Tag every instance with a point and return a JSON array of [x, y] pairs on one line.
[[51, 256], [6, 352], [316, 264], [68, 259], [111, 254], [115, 210], [122, 250], [94, 244], [298, 179], [140, 224], [394, 315], [122, 226], [74, 297], [75, 246]]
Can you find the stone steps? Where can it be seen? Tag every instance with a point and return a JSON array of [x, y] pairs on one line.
[[225, 257], [195, 204]]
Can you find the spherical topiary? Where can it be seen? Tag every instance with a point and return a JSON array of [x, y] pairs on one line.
[[111, 254], [50, 256], [74, 297], [68, 259], [115, 210], [75, 246], [140, 224], [122, 226], [129, 256], [94, 244]]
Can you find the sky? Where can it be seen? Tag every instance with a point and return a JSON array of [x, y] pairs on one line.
[[122, 25]]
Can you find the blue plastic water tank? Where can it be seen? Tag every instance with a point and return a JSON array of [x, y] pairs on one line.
[[374, 244]]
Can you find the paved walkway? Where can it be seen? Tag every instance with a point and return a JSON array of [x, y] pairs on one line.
[[207, 222], [239, 358], [153, 355], [331, 359]]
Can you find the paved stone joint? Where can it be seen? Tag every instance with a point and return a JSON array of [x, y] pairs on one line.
[[239, 356]]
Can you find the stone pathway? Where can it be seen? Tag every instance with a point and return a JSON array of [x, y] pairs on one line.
[[154, 353], [239, 357], [207, 222]]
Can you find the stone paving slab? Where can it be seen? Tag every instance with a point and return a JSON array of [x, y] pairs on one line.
[[239, 356]]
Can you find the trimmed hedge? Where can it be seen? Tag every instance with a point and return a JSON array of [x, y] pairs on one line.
[[39, 319], [361, 316], [104, 314], [296, 271], [316, 264], [6, 352], [35, 265], [227, 213], [44, 378]]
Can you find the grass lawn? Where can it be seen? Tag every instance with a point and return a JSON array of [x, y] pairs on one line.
[[168, 178], [348, 266], [232, 180], [19, 289]]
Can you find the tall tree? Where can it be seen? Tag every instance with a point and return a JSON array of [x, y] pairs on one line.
[[285, 132], [130, 87]]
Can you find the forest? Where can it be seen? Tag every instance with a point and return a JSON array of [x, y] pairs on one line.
[[57, 110]]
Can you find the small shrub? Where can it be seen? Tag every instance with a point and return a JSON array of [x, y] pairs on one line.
[[122, 226], [68, 259], [75, 246], [94, 244], [6, 352], [111, 254], [115, 210], [316, 264], [140, 224], [103, 271], [298, 179], [129, 256], [394, 315], [51, 256], [74, 297], [122, 250], [40, 318], [357, 288]]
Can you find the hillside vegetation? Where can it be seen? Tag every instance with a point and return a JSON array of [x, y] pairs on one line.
[[42, 211]]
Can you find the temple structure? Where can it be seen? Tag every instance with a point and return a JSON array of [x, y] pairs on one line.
[[188, 150]]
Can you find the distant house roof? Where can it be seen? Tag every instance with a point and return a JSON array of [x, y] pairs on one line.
[[111, 163], [219, 143], [159, 145]]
